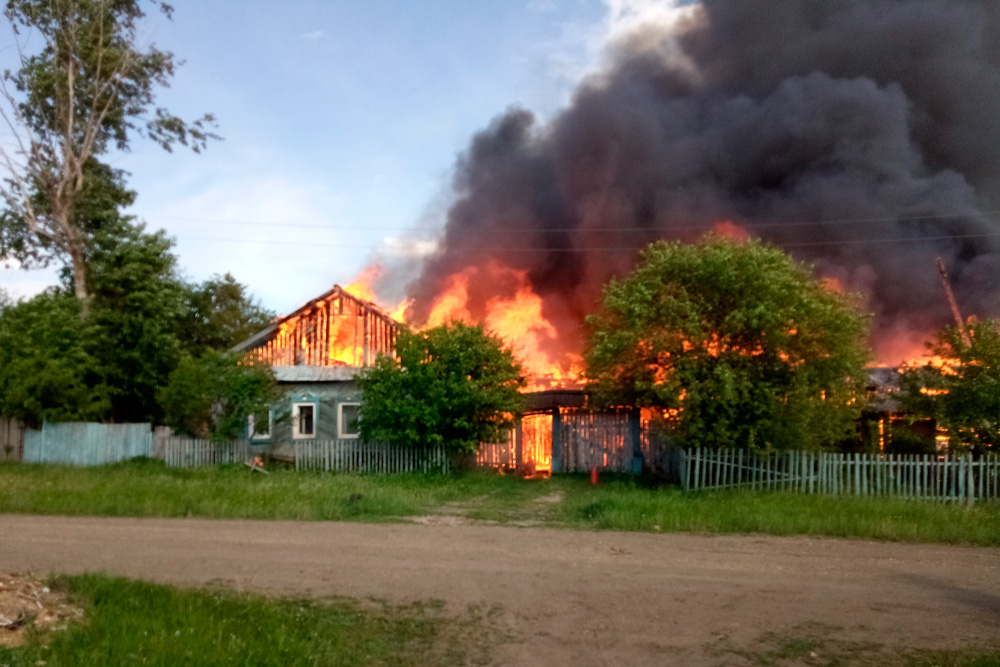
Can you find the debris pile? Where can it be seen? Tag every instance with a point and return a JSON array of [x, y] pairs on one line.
[[26, 601]]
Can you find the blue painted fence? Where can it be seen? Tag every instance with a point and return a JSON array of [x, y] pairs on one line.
[[87, 444]]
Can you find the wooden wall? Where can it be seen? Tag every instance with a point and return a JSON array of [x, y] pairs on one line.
[[334, 330]]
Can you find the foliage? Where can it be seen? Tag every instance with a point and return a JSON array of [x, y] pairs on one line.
[[221, 314], [962, 391], [454, 385], [89, 88], [47, 369], [150, 489], [138, 301], [740, 339], [211, 395], [111, 364], [133, 622], [103, 194]]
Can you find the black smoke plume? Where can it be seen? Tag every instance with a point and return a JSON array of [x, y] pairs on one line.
[[861, 135]]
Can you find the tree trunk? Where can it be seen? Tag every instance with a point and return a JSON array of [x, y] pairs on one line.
[[76, 253]]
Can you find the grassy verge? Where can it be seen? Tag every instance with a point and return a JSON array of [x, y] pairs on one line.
[[148, 489], [134, 623], [625, 506]]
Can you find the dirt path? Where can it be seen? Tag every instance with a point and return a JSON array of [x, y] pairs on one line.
[[573, 598]]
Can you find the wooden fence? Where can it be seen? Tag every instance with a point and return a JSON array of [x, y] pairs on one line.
[[11, 440], [189, 453], [357, 456], [87, 444], [602, 440], [951, 478], [498, 455]]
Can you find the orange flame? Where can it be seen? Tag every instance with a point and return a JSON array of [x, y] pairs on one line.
[[728, 229], [517, 319], [361, 286]]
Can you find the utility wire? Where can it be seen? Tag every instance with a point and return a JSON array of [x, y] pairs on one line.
[[504, 230], [540, 248]]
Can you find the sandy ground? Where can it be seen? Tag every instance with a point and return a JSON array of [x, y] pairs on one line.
[[568, 598]]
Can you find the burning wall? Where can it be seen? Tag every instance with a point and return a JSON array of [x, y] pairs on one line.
[[335, 329], [861, 135]]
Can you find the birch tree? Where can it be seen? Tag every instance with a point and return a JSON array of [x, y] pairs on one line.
[[84, 87]]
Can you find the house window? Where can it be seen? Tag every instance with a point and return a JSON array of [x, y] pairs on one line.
[[347, 420], [259, 425], [303, 420]]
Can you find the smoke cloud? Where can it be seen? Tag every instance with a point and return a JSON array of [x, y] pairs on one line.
[[861, 135]]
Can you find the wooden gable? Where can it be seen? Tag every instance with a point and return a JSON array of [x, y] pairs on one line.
[[334, 329]]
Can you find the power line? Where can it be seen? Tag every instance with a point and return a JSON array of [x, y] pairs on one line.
[[540, 248], [761, 225]]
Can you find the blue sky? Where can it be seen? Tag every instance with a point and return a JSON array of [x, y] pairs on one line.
[[342, 120]]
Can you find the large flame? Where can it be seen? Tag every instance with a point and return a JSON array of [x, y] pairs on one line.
[[517, 319]]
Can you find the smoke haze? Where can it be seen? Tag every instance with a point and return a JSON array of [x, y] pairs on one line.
[[861, 135]]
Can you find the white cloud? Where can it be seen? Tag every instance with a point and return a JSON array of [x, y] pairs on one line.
[[393, 246], [628, 20], [314, 35]]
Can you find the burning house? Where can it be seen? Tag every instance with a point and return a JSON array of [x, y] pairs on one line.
[[316, 353], [862, 136]]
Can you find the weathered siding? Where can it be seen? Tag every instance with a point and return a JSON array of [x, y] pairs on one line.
[[327, 396], [87, 444]]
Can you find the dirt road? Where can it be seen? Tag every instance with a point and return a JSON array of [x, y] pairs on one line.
[[573, 598]]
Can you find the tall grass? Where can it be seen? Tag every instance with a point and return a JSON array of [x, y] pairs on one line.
[[136, 623], [626, 506], [148, 489]]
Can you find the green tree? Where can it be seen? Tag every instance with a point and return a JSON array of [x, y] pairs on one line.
[[111, 364], [221, 313], [88, 89], [47, 370], [454, 385], [739, 339], [212, 395], [962, 390], [138, 300]]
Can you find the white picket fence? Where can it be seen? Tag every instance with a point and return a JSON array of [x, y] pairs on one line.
[[950, 478], [371, 457], [189, 453]]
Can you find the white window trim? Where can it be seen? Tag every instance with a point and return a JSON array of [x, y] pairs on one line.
[[340, 422], [295, 420], [251, 426]]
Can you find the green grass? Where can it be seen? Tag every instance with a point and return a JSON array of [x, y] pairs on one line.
[[149, 489], [627, 506], [135, 623]]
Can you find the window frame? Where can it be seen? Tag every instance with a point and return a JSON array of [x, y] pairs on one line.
[[341, 433], [296, 435], [252, 425]]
